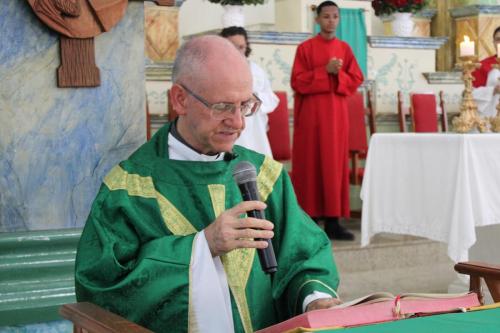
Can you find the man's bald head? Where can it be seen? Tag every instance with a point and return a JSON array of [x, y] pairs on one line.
[[203, 59], [209, 70]]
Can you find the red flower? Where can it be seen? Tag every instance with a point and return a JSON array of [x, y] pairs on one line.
[[387, 7]]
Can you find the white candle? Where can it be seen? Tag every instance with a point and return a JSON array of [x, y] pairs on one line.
[[466, 47], [498, 50]]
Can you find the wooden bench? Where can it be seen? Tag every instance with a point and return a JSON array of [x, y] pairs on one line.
[[36, 274], [480, 270]]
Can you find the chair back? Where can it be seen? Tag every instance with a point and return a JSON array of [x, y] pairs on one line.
[[423, 112], [357, 125], [279, 129], [402, 111], [444, 118]]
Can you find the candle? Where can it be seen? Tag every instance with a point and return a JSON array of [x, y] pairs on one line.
[[498, 50], [466, 47]]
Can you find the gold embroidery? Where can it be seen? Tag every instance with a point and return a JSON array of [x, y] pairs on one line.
[[119, 179], [237, 263], [268, 174], [135, 185], [174, 220], [218, 196]]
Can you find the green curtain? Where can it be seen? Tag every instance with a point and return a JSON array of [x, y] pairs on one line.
[[352, 30]]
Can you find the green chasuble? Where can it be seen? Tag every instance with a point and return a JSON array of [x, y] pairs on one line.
[[134, 255]]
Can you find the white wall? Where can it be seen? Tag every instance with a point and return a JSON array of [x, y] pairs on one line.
[[197, 16]]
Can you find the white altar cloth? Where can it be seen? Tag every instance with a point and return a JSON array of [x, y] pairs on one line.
[[438, 186]]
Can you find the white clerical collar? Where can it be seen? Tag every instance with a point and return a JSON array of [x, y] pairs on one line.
[[179, 151]]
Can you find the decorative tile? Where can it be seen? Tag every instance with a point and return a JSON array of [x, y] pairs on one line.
[[431, 43]]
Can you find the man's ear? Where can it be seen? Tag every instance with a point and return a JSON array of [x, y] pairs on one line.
[[177, 97]]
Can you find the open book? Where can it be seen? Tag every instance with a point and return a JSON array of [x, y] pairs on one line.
[[377, 308]]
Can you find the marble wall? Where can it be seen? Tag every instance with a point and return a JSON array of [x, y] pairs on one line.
[[57, 144]]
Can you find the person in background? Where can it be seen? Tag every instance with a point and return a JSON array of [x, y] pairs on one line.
[[255, 134], [486, 82], [324, 73], [167, 243]]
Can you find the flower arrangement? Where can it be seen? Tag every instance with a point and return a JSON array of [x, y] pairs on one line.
[[387, 7], [238, 2]]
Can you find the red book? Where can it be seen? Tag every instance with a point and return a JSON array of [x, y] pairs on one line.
[[377, 308]]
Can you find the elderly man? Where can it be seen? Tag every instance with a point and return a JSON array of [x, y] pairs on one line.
[[167, 243]]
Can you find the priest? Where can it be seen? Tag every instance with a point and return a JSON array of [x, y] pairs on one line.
[[167, 243]]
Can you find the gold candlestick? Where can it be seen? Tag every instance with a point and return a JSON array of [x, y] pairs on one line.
[[495, 121], [468, 118]]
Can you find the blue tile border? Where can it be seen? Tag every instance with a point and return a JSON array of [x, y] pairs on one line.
[[474, 10], [431, 43]]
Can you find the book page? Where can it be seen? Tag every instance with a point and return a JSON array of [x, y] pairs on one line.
[[426, 296], [370, 298]]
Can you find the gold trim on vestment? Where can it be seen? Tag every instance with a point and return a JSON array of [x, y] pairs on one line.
[[269, 172], [135, 185], [237, 263], [174, 220], [218, 197]]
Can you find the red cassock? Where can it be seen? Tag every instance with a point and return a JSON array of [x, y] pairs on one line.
[[481, 74], [320, 167]]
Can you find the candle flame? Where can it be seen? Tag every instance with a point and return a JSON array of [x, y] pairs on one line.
[[466, 38]]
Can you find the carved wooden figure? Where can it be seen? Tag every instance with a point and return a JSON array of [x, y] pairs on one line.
[[78, 22]]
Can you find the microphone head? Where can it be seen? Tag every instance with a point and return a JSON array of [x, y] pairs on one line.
[[244, 172]]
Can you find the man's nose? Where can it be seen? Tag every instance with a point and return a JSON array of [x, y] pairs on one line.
[[237, 120]]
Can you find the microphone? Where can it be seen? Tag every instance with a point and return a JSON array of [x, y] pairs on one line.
[[245, 175]]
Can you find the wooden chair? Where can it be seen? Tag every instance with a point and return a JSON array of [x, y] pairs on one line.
[[423, 113], [88, 317], [358, 140], [402, 112], [279, 130], [477, 271]]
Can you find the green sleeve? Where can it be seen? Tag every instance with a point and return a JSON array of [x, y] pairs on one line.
[[128, 262], [304, 252]]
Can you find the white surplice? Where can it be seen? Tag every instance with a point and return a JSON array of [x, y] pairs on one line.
[[485, 97], [254, 136]]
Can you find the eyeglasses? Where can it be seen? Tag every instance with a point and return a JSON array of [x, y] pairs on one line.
[[224, 110]]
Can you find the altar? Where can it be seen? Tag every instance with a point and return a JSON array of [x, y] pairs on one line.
[[444, 187]]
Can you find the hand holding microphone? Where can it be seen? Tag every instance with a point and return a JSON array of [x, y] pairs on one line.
[[229, 231], [245, 176]]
